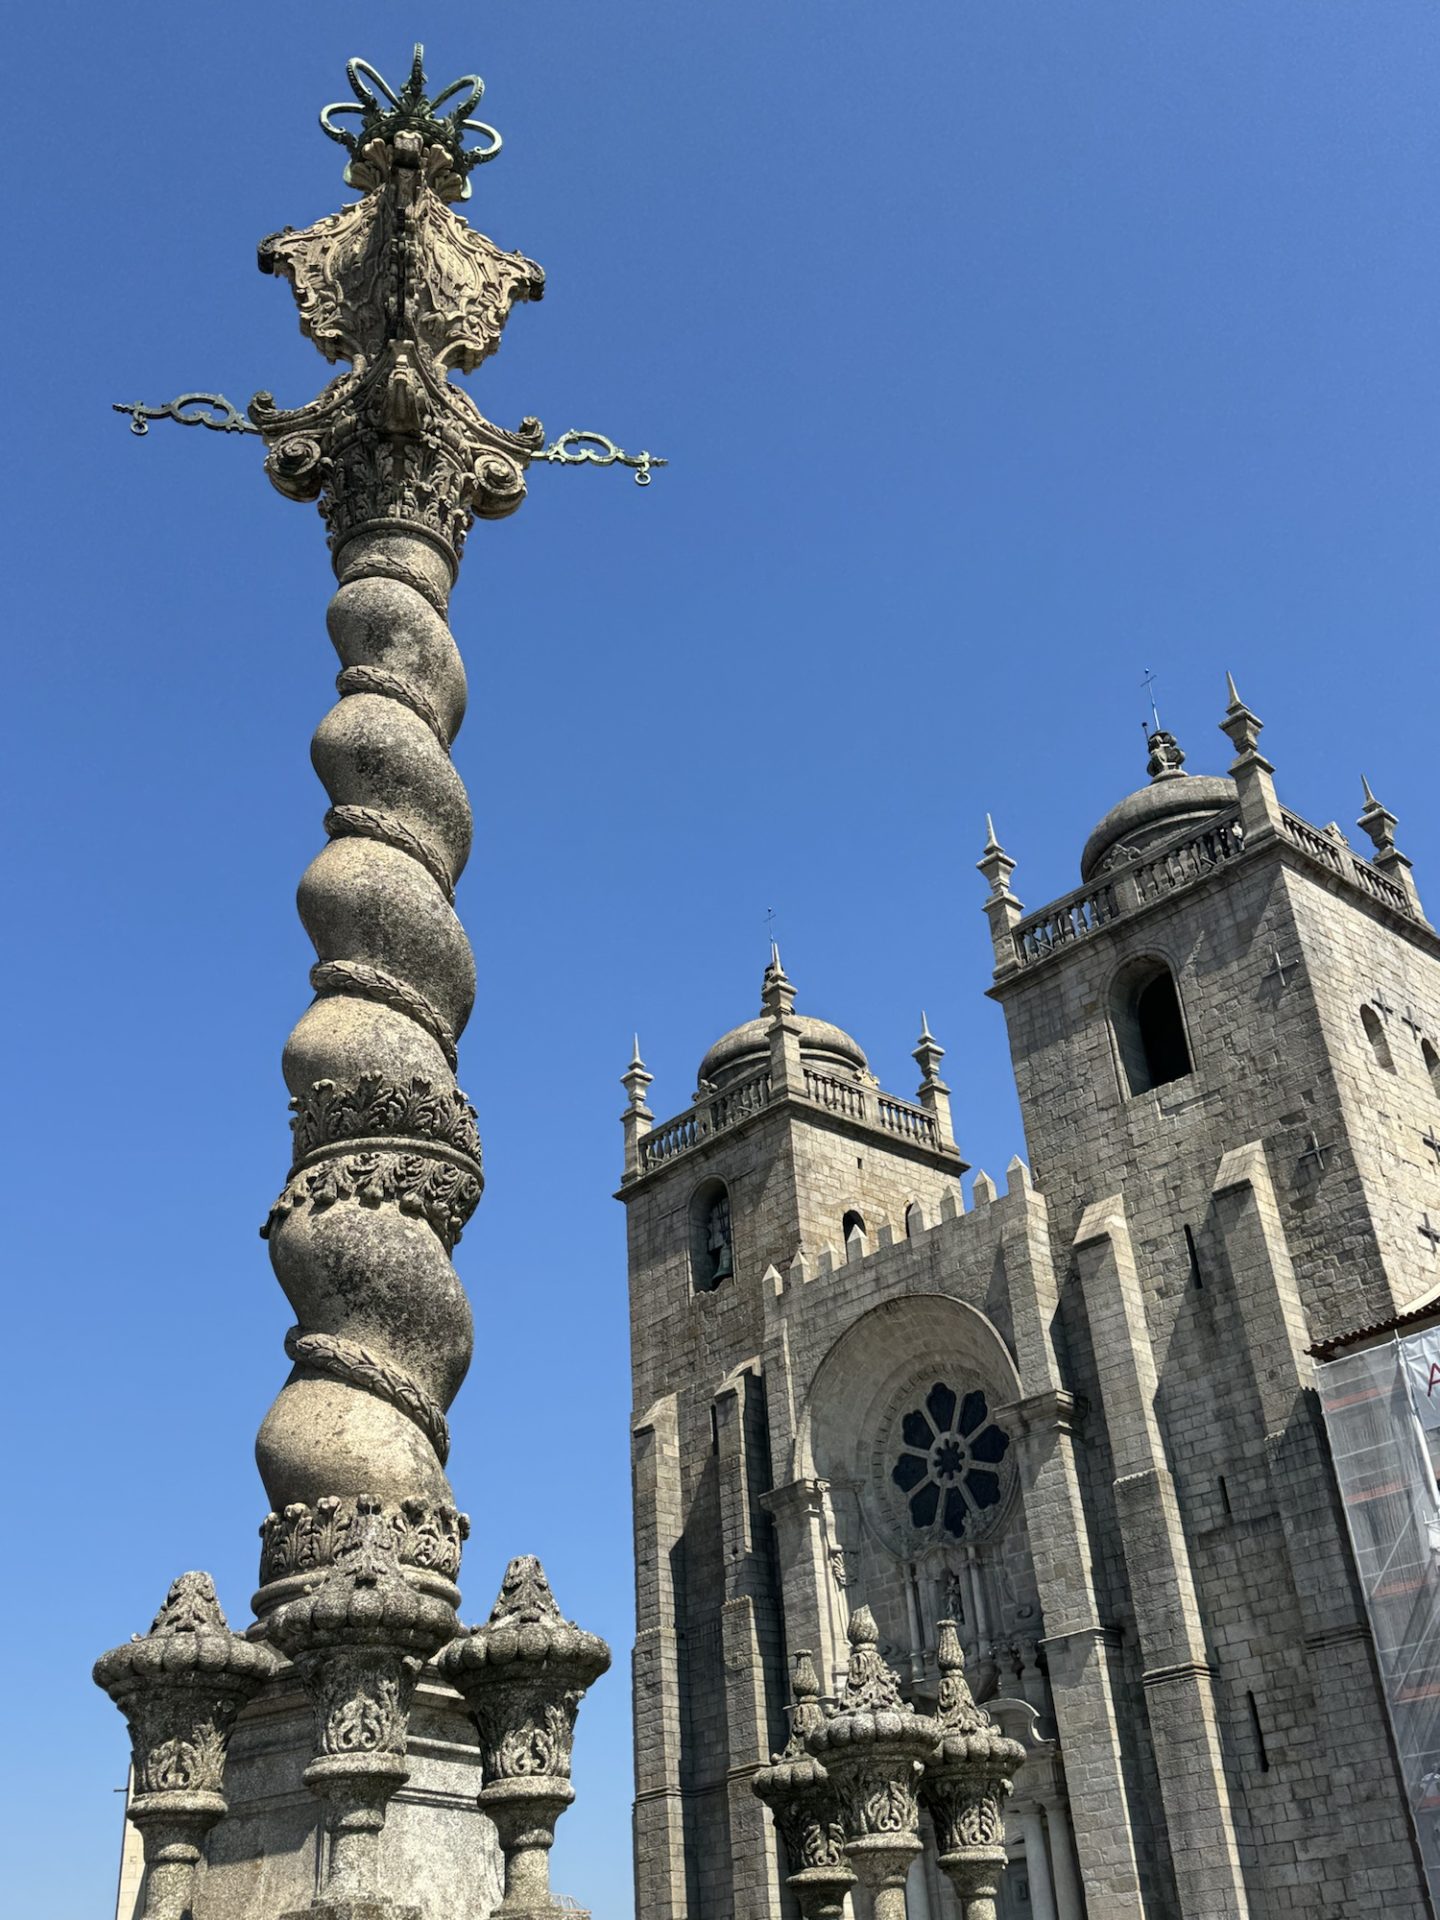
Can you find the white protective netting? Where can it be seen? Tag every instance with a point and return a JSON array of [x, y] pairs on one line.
[[1382, 1412]]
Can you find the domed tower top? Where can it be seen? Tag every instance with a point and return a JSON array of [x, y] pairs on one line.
[[1173, 799], [746, 1048]]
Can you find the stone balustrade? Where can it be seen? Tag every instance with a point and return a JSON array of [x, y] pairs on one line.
[[1178, 864], [1072, 917], [717, 1112]]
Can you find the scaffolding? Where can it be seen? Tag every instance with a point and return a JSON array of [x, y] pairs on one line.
[[1382, 1413]]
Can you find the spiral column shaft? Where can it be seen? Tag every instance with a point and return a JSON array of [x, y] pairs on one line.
[[387, 1164], [386, 1167]]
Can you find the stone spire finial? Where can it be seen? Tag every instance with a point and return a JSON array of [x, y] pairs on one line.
[[933, 1095], [635, 1080], [637, 1118], [1241, 725], [777, 995], [1254, 776], [994, 862], [1378, 824], [777, 1004], [1002, 909], [928, 1052]]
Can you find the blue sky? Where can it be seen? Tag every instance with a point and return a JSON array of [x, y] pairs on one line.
[[1001, 352]]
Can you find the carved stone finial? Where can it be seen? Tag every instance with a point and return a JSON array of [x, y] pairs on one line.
[[796, 1789], [1167, 757], [524, 1674], [410, 111], [871, 1685], [181, 1687], [872, 1745], [191, 1606], [965, 1784], [402, 288]]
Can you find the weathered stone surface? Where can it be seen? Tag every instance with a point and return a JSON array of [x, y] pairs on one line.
[[1161, 1579]]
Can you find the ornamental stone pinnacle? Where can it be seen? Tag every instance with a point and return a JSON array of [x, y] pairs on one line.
[[872, 1745], [403, 290], [524, 1674], [797, 1790]]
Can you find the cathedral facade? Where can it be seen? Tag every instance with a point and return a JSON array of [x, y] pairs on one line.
[[1075, 1416]]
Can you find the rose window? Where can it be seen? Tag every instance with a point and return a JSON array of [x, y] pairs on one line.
[[952, 1450]]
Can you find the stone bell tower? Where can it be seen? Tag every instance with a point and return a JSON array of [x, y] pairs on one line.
[[788, 1154], [1226, 1042], [326, 1761]]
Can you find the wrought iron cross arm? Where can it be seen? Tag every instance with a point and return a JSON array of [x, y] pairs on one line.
[[190, 410], [575, 449], [572, 449]]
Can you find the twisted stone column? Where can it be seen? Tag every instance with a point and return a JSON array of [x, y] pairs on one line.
[[386, 1153], [386, 1167]]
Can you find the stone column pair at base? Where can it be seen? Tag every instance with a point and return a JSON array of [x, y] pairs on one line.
[[847, 1790]]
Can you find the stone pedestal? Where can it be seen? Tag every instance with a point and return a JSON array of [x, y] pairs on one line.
[[266, 1857]]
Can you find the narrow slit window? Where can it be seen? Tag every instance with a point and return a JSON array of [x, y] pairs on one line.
[[1259, 1732], [1432, 1063], [1197, 1278], [1379, 1042]]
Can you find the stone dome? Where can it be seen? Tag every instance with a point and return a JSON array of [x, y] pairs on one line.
[[1173, 799], [745, 1049]]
